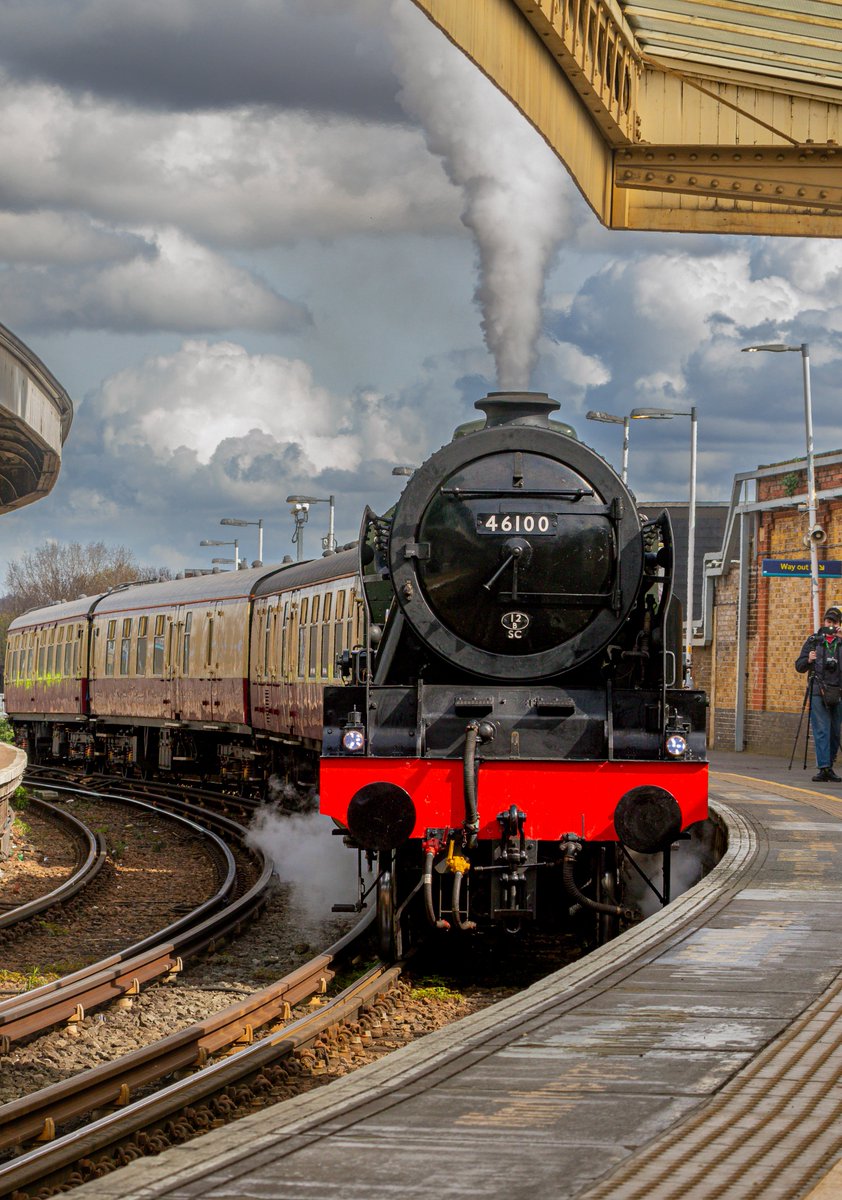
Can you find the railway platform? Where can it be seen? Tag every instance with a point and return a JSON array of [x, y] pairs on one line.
[[698, 1055]]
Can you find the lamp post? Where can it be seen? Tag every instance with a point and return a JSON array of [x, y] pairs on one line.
[[804, 351], [242, 524], [660, 414], [610, 419], [235, 544], [303, 503]]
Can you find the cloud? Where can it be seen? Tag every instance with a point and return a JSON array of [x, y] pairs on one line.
[[70, 239], [243, 415], [190, 54], [237, 178], [172, 284]]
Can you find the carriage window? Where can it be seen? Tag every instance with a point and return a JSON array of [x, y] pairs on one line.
[[29, 657], [326, 650], [50, 654], [209, 655], [110, 641], [126, 646], [158, 647], [326, 609], [283, 658], [185, 656], [77, 649], [302, 650], [140, 649], [302, 620], [340, 605], [267, 631], [42, 652], [68, 654], [314, 647], [315, 615]]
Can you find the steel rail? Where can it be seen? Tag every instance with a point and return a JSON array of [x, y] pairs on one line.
[[91, 857], [163, 953], [104, 1133]]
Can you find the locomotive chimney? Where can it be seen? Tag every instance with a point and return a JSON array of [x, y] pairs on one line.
[[517, 408]]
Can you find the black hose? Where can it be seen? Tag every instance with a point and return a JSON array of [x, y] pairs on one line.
[[614, 910], [470, 782], [464, 926], [428, 893]]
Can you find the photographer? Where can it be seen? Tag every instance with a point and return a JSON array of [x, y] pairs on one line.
[[820, 655]]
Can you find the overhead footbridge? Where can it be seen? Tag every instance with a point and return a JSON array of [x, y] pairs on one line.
[[35, 417], [709, 116]]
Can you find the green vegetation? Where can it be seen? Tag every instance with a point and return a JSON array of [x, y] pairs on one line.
[[7, 732], [20, 828], [435, 991], [20, 799]]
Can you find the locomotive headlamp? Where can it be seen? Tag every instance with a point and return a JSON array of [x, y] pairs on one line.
[[353, 737], [676, 745]]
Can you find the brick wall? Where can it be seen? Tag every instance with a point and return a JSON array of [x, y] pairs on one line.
[[779, 619]]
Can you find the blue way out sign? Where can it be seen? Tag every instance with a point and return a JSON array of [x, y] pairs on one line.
[[799, 568]]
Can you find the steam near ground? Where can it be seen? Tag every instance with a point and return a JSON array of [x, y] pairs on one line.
[[688, 863], [299, 842]]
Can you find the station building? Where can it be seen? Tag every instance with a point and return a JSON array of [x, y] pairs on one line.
[[756, 607]]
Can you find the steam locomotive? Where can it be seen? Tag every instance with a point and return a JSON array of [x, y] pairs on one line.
[[486, 685], [515, 728]]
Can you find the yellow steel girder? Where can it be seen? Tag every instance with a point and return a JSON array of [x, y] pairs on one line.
[[703, 148]]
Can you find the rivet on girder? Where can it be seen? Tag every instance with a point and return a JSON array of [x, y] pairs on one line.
[[692, 180], [714, 183]]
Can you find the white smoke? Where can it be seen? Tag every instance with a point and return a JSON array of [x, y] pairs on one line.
[[515, 199], [306, 855]]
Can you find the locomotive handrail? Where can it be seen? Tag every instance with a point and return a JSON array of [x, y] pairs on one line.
[[519, 493]]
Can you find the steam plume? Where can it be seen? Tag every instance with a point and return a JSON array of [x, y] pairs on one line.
[[513, 186]]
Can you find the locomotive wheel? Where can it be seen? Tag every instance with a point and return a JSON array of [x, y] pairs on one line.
[[388, 932]]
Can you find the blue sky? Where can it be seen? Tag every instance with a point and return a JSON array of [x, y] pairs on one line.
[[283, 246]]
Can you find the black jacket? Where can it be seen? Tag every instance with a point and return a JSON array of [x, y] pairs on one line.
[[828, 665]]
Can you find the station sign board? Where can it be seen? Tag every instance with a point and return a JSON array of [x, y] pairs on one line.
[[799, 568]]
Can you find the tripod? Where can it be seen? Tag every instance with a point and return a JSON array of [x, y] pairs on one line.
[[808, 697]]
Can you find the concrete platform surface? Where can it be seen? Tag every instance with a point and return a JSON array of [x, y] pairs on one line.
[[584, 1084]]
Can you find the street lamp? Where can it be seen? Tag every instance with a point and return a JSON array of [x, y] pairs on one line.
[[235, 544], [300, 512], [242, 524], [666, 414], [804, 351], [304, 502], [610, 419]]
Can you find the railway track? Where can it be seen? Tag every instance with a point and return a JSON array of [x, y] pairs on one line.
[[90, 859], [158, 955], [187, 1106]]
